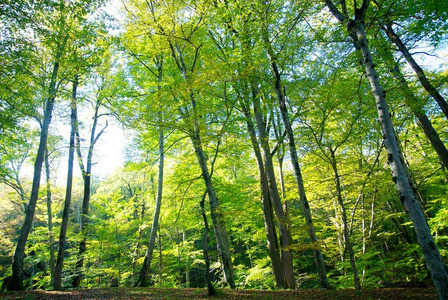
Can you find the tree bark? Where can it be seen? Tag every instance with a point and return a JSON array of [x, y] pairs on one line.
[[422, 118], [50, 218], [208, 275], [215, 212], [400, 174], [282, 217], [143, 278], [318, 257], [271, 235], [222, 238], [432, 91], [68, 192], [15, 282], [86, 175]]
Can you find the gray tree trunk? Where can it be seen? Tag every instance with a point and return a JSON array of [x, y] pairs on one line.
[[208, 276], [87, 176], [400, 174], [15, 282], [68, 192], [222, 238], [143, 278], [282, 217], [318, 257], [50, 218], [271, 235], [215, 212]]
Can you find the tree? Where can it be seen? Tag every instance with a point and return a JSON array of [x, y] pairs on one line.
[[182, 38], [15, 282], [356, 28], [143, 280], [68, 193], [86, 170], [273, 55]]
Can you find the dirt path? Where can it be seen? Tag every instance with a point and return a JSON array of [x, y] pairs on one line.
[[185, 294]]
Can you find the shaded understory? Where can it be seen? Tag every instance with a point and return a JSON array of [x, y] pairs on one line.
[[166, 293]]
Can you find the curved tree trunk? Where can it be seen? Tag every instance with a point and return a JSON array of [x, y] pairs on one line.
[[68, 192], [222, 238], [400, 174], [282, 217], [143, 278], [15, 282], [86, 175], [318, 257], [271, 235]]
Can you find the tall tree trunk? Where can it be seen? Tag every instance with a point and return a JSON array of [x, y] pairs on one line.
[[400, 174], [282, 217], [432, 91], [422, 118], [318, 257], [15, 282], [143, 279], [50, 217], [271, 235], [222, 238], [68, 192], [87, 176], [345, 233]]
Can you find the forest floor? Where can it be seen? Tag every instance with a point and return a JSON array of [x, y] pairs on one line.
[[185, 294]]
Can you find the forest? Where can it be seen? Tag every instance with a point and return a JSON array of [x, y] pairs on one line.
[[270, 144]]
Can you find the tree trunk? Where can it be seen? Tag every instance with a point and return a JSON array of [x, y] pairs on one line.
[[345, 233], [68, 192], [159, 240], [422, 118], [215, 211], [143, 279], [187, 261], [320, 263], [269, 225], [222, 238], [400, 173], [87, 176], [50, 217], [208, 275], [15, 282], [282, 217], [418, 70], [137, 244]]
